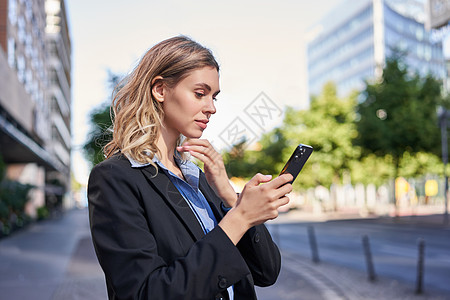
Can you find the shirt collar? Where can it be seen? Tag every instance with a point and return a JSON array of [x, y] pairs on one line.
[[190, 171]]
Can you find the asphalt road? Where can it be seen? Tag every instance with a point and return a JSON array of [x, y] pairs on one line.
[[394, 248]]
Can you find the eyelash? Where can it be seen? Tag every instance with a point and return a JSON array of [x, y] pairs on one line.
[[199, 95]]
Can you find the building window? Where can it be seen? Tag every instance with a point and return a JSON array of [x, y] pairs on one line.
[[54, 77], [21, 68], [29, 81], [21, 33], [419, 34], [12, 11], [52, 48], [28, 9], [29, 46], [427, 53], [12, 53]]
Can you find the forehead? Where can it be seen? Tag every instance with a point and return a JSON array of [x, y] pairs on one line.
[[206, 75]]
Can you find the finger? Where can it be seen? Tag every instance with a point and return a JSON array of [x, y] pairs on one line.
[[259, 178], [283, 190], [199, 142], [201, 149], [182, 149], [211, 156], [280, 180], [282, 201], [204, 158]]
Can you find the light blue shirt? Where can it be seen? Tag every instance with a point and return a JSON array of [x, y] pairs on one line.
[[190, 191]]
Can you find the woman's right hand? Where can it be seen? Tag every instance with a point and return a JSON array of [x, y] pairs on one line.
[[257, 204]]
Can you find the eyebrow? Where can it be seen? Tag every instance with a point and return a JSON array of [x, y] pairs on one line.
[[206, 86]]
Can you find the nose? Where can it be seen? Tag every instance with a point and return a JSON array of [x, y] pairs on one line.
[[209, 107]]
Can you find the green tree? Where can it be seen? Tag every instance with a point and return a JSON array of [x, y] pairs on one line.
[[372, 169], [265, 157], [100, 122], [419, 164], [398, 115], [328, 126], [237, 161], [99, 135], [271, 157]]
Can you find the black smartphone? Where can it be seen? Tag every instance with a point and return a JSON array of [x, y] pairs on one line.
[[297, 160]]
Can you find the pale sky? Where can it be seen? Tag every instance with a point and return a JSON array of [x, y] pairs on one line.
[[260, 46]]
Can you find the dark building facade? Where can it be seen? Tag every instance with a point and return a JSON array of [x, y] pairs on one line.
[[35, 97]]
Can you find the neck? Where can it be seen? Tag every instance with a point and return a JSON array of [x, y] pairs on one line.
[[166, 143]]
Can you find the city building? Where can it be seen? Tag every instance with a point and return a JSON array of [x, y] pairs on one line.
[[35, 97], [352, 43]]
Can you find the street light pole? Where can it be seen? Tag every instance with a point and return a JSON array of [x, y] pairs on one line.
[[443, 124]]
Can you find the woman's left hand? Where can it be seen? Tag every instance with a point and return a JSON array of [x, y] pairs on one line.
[[214, 168]]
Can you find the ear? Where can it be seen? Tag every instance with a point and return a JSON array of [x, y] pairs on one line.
[[158, 88]]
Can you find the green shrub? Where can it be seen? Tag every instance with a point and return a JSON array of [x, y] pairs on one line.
[[42, 213]]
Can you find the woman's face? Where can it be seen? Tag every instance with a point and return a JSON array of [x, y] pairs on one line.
[[189, 105]]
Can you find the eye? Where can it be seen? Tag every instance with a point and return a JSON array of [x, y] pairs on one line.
[[199, 94]]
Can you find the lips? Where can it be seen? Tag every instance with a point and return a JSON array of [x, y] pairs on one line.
[[202, 123]]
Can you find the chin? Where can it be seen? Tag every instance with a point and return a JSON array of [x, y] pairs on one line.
[[193, 135]]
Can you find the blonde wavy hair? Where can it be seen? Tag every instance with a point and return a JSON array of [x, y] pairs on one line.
[[137, 116]]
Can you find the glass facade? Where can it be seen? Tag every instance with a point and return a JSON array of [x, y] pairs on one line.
[[37, 70], [346, 53]]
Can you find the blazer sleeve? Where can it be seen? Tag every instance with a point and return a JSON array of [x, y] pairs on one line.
[[127, 250], [261, 255]]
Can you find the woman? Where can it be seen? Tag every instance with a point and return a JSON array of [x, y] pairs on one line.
[[163, 229]]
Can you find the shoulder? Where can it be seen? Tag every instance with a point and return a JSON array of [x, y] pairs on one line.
[[117, 161], [117, 166], [114, 178]]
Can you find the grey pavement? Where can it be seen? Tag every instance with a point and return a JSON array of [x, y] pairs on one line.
[[54, 259]]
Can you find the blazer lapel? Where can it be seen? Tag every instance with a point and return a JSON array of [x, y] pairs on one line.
[[213, 200], [172, 196]]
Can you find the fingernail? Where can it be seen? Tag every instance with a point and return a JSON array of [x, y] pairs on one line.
[[268, 176]]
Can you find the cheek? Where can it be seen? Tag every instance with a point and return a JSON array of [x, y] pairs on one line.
[[176, 111], [181, 106]]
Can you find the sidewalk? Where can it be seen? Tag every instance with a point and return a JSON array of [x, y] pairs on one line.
[[55, 260], [51, 260], [300, 278]]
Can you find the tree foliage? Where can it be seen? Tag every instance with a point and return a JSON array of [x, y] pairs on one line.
[[398, 113], [266, 157], [328, 126], [101, 123], [99, 135], [392, 132]]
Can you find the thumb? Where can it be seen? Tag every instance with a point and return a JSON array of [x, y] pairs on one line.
[[259, 178]]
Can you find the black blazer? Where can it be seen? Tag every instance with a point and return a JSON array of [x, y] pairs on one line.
[[151, 246]]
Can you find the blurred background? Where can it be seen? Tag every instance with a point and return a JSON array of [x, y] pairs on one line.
[[366, 83]]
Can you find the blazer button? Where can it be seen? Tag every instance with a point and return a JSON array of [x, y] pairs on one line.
[[223, 282], [256, 237]]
